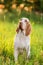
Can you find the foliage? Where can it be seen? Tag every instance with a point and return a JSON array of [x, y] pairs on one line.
[[35, 17], [37, 4], [41, 7]]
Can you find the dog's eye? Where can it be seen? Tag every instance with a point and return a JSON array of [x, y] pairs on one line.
[[25, 20]]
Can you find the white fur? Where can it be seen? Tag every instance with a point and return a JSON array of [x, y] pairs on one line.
[[21, 41]]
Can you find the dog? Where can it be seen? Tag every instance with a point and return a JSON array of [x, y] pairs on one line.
[[22, 39]]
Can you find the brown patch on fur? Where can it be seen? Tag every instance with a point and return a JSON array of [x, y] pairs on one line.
[[17, 30], [19, 27], [28, 28]]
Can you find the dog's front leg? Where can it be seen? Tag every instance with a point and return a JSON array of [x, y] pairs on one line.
[[16, 55], [28, 52]]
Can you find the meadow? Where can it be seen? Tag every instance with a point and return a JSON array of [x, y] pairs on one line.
[[7, 36]]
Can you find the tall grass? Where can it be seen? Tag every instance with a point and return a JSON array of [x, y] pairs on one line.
[[7, 35]]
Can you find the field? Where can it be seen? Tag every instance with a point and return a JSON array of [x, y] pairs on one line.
[[7, 35]]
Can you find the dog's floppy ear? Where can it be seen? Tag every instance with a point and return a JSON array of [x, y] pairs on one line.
[[28, 28], [18, 28]]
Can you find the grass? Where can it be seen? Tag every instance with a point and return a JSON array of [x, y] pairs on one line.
[[7, 35]]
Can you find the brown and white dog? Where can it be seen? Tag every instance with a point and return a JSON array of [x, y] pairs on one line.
[[22, 39]]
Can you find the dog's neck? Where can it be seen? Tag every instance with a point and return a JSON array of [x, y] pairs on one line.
[[22, 32]]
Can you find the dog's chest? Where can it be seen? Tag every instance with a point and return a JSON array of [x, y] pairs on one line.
[[21, 40], [22, 37]]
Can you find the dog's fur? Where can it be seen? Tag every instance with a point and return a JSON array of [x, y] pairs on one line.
[[22, 39]]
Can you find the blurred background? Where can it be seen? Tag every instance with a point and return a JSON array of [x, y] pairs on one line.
[[12, 9], [10, 13]]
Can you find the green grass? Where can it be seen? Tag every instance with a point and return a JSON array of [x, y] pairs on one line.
[[7, 35]]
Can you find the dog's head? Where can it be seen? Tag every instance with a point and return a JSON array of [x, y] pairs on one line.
[[24, 25]]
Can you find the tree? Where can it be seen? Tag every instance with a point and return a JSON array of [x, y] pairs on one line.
[[37, 4]]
